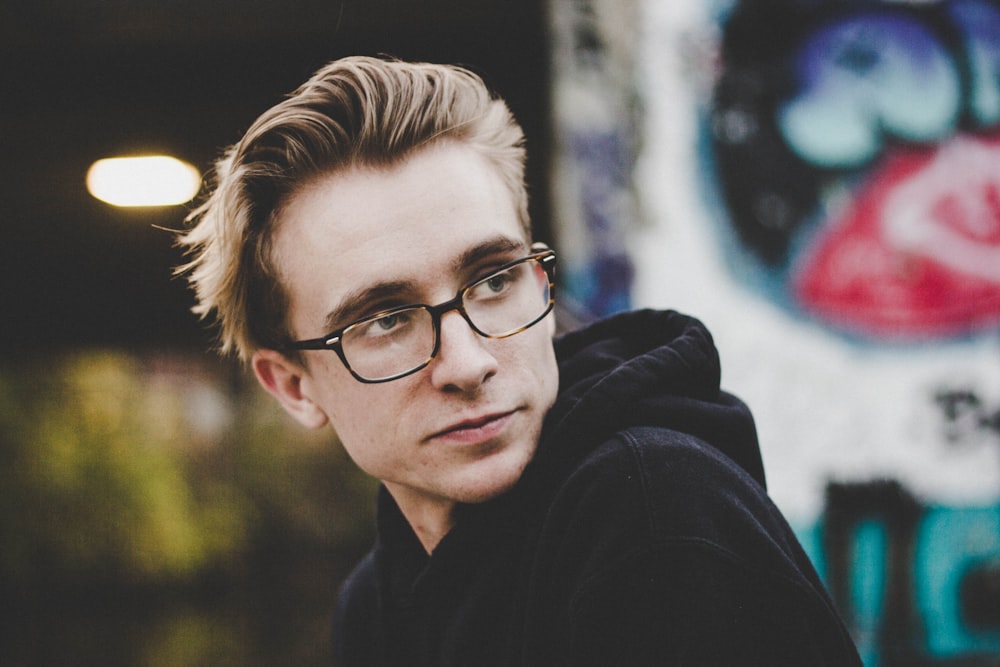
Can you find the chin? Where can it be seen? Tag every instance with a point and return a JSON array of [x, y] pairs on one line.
[[498, 476]]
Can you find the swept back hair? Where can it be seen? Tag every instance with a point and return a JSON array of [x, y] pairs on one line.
[[354, 112]]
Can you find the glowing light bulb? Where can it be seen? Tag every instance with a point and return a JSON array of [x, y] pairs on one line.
[[144, 180]]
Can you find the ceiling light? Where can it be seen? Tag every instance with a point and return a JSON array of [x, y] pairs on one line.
[[145, 180]]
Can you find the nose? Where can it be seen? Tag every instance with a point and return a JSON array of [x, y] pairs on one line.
[[464, 361]]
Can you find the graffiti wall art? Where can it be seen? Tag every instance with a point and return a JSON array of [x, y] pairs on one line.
[[595, 124], [873, 129], [820, 183]]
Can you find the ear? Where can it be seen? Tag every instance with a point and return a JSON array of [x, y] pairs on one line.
[[282, 378]]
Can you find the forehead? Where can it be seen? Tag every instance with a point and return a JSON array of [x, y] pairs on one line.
[[410, 223]]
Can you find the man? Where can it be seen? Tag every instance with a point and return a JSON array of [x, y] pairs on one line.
[[599, 500]]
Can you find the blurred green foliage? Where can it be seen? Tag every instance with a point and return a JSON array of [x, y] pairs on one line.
[[138, 471]]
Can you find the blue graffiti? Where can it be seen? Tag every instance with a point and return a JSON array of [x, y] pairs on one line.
[[874, 76], [864, 77], [604, 161], [939, 572], [868, 587], [981, 22], [900, 573]]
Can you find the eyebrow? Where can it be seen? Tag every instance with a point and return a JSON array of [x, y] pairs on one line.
[[488, 249], [352, 305]]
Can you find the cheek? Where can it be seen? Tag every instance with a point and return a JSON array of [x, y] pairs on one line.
[[344, 401], [358, 421], [550, 378], [368, 420], [540, 359], [355, 427], [550, 325]]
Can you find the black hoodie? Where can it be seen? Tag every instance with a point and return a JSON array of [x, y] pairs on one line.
[[641, 534]]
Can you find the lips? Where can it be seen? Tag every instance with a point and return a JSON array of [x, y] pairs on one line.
[[475, 429], [917, 253]]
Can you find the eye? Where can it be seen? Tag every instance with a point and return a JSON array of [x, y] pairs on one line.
[[498, 282], [388, 322], [384, 325], [497, 285]]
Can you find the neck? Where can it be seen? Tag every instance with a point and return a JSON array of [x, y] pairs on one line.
[[430, 520]]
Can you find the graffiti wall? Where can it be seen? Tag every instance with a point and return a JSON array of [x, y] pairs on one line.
[[596, 127], [874, 130], [819, 181]]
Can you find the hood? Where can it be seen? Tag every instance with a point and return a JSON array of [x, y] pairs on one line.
[[647, 368]]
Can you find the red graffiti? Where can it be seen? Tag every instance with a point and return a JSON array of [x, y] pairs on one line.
[[917, 252]]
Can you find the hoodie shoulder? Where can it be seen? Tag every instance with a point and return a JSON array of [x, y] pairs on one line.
[[642, 342], [647, 369]]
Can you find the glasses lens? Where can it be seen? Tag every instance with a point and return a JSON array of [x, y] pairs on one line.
[[389, 344], [510, 300]]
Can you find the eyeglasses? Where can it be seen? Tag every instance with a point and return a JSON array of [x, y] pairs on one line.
[[401, 341]]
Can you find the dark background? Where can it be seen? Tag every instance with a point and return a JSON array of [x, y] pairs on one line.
[[85, 79]]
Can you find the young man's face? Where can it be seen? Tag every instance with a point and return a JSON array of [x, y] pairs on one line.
[[463, 428]]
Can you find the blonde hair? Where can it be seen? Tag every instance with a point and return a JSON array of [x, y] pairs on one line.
[[356, 111]]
